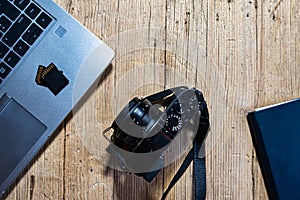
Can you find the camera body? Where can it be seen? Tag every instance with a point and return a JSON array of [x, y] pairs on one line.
[[145, 127]]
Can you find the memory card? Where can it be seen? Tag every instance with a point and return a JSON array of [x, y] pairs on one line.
[[51, 78], [38, 78]]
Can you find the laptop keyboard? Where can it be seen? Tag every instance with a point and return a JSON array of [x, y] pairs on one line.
[[21, 23]]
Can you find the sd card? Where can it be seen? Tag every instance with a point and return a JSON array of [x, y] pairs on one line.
[[51, 78]]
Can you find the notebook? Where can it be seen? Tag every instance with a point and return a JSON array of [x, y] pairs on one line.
[[275, 132], [48, 61]]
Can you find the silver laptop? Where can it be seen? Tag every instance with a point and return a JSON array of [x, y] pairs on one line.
[[45, 57]]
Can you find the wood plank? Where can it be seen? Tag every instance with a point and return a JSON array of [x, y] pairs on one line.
[[241, 54]]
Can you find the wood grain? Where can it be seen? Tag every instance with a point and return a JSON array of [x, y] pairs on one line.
[[241, 54]]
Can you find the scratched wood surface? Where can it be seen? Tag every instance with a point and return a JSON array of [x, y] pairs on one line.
[[241, 54]]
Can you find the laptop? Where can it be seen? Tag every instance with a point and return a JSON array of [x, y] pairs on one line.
[[275, 132], [45, 57]]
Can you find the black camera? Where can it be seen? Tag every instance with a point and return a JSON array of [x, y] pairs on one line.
[[145, 128]]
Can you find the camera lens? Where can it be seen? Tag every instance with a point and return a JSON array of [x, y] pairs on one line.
[[140, 113]]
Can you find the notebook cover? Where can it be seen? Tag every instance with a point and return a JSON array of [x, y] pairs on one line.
[[275, 133]]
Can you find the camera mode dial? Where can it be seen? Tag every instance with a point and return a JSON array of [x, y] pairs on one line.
[[173, 123]]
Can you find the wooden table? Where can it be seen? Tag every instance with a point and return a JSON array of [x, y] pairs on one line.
[[241, 54]]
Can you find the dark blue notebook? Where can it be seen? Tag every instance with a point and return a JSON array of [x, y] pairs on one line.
[[275, 132]]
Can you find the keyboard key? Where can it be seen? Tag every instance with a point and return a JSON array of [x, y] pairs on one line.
[[16, 30], [12, 59], [3, 50], [21, 3], [32, 11], [4, 24], [4, 70], [9, 10], [44, 20], [32, 33], [21, 48]]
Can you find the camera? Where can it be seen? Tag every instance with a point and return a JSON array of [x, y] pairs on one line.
[[146, 127]]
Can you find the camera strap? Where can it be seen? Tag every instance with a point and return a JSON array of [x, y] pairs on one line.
[[199, 164], [164, 93], [199, 170]]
